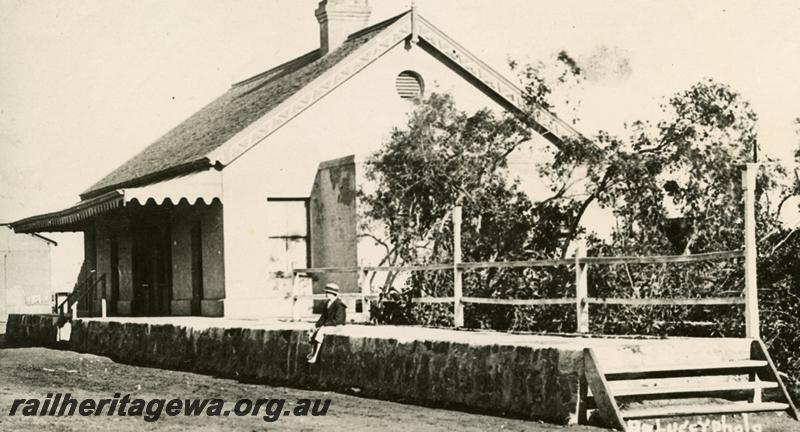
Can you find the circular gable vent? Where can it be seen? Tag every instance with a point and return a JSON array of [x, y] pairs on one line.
[[409, 85]]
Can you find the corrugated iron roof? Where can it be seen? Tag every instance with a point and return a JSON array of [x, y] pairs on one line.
[[205, 186], [70, 219]]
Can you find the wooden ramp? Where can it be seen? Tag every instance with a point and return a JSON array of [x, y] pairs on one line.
[[656, 391]]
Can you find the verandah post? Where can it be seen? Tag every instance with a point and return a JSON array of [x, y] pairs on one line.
[[103, 306], [581, 291], [458, 307], [750, 252]]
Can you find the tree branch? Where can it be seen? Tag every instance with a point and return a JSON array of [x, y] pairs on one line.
[[780, 243], [378, 241], [585, 205]]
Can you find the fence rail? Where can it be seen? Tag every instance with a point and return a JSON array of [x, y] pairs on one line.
[[581, 264], [518, 302], [581, 298], [675, 301], [658, 259], [664, 259]]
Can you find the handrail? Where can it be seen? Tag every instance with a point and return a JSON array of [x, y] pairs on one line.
[[81, 290], [82, 295], [78, 288]]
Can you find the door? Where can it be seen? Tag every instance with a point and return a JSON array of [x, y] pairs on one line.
[[152, 270], [113, 294], [197, 269]]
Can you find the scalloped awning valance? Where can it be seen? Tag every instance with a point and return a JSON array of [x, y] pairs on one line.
[[205, 186]]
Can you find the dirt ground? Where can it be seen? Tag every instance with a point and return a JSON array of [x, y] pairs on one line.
[[34, 372]]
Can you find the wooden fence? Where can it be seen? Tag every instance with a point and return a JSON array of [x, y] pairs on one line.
[[581, 263], [581, 299]]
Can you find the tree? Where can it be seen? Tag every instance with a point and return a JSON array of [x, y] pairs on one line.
[[443, 158], [671, 186], [779, 280]]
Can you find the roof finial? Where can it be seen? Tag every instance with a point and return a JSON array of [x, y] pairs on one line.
[[414, 34]]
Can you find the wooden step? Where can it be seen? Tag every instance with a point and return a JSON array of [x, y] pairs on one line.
[[685, 370], [730, 391], [691, 410], [698, 390]]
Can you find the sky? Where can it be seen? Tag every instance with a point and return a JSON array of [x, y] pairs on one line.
[[86, 84]]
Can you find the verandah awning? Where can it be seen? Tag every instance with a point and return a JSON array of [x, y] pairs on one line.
[[204, 185], [201, 186]]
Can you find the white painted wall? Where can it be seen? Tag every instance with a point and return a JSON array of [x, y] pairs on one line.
[[353, 119], [24, 274]]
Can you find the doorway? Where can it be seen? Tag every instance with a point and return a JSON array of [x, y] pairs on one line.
[[197, 269], [113, 296], [152, 270]]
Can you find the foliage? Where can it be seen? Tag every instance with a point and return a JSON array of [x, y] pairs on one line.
[[443, 158], [779, 303], [669, 187], [779, 280]]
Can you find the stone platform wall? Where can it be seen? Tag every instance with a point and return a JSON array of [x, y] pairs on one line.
[[32, 330], [516, 381]]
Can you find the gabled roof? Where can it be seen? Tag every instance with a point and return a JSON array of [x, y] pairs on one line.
[[185, 147], [253, 109]]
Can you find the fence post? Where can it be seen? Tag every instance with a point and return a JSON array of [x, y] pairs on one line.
[[294, 296], [365, 291], [458, 307], [750, 252], [581, 291]]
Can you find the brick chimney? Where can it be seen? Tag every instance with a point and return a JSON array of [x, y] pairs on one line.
[[338, 19]]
